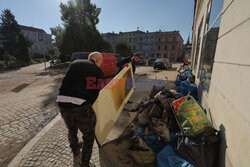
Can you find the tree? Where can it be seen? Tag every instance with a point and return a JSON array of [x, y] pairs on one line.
[[22, 53], [1, 53], [122, 49], [9, 31], [79, 31]]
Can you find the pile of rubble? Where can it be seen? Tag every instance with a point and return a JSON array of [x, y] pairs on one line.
[[172, 130]]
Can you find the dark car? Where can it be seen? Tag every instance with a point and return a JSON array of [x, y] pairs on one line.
[[162, 63], [151, 61]]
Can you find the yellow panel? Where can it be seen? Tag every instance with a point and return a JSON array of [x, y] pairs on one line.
[[111, 101]]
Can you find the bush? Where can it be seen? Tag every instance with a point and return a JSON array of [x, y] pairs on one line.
[[57, 61], [36, 61], [36, 56], [16, 64], [2, 65]]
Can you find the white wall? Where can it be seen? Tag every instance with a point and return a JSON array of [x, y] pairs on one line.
[[41, 47], [228, 99]]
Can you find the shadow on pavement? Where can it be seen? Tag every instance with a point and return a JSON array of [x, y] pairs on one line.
[[22, 86]]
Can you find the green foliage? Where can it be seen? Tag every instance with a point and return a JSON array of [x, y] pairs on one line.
[[36, 61], [9, 31], [15, 46], [7, 57], [79, 31], [1, 53], [16, 64], [2, 65], [36, 56], [51, 52], [22, 52], [122, 49]]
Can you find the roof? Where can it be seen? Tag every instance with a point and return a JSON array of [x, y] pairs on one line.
[[130, 32], [31, 29]]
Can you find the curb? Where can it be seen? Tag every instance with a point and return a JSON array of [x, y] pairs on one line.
[[17, 159]]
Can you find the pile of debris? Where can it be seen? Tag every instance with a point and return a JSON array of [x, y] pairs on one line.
[[172, 130]]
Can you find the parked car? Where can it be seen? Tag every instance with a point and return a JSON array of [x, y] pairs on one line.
[[162, 63], [108, 66], [151, 61]]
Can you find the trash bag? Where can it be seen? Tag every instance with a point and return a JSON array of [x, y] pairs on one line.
[[153, 141], [140, 152], [168, 158], [177, 82], [192, 118], [185, 88], [193, 90], [196, 150], [187, 74]]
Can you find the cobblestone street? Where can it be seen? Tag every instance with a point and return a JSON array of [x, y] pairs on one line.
[[24, 110], [53, 150]]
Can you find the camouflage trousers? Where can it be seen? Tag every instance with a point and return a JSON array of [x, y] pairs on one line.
[[84, 119]]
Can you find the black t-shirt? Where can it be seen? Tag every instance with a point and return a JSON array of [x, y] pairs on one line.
[[80, 79]]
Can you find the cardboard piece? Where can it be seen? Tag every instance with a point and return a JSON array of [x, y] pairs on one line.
[[111, 101]]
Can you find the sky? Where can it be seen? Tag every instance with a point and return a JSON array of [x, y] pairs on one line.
[[116, 15]]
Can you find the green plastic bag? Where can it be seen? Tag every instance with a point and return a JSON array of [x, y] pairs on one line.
[[192, 118]]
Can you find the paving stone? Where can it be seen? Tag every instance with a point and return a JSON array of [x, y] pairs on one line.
[[53, 147]]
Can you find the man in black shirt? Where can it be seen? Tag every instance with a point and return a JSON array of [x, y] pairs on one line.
[[75, 103], [121, 64]]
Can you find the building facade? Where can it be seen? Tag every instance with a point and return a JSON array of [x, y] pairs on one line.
[[42, 41], [146, 43], [169, 45], [221, 63], [137, 41]]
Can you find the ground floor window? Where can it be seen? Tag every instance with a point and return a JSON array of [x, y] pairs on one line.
[[209, 44]]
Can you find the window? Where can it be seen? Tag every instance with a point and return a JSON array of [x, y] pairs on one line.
[[174, 38], [159, 39], [216, 8], [159, 47], [209, 44], [166, 47], [165, 56], [166, 39], [197, 46], [134, 47]]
